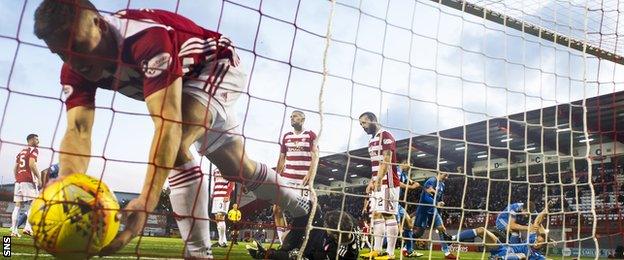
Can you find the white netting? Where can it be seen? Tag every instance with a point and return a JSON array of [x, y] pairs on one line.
[[510, 97]]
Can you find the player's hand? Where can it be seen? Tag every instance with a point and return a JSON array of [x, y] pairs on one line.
[[441, 204], [134, 215], [305, 180], [378, 186], [369, 187]]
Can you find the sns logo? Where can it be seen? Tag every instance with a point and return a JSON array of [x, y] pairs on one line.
[[6, 246]]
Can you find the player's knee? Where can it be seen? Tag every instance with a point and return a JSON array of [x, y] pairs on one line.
[[480, 231]]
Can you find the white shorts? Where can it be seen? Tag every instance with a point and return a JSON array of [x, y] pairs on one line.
[[297, 185], [220, 206], [24, 191], [386, 200], [224, 128]]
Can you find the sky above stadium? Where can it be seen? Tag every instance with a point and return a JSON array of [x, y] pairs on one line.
[[421, 67]]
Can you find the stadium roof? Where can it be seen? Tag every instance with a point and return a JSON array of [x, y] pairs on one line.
[[554, 130]]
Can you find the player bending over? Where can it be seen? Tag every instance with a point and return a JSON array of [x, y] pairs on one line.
[[221, 191], [506, 223], [536, 240], [335, 243], [427, 214], [296, 165], [190, 80], [384, 186]]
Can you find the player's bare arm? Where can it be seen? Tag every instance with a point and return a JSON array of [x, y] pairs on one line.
[[515, 226], [370, 185], [313, 164], [166, 111], [32, 163], [410, 185], [536, 226], [165, 108], [413, 185], [383, 167], [76, 143], [280, 163]]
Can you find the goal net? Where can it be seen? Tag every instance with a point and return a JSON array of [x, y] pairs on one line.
[[518, 101]]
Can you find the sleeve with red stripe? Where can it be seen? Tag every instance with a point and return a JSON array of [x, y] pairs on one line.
[[312, 138], [34, 154], [230, 188], [154, 52], [77, 90], [387, 141]]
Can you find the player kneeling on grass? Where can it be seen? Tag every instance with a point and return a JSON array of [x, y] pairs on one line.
[[340, 241], [190, 79], [530, 249]]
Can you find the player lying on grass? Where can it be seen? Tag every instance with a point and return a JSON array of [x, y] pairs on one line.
[[530, 249], [338, 240], [190, 79]]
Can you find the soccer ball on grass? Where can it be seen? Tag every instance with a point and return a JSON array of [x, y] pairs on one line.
[[74, 217]]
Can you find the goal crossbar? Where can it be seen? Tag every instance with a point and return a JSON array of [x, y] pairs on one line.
[[531, 29]]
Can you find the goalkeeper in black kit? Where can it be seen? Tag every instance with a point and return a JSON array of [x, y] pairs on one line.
[[341, 242]]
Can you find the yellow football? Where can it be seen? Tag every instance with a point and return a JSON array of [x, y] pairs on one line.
[[74, 217]]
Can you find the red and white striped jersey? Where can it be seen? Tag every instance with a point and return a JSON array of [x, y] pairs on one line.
[[298, 151], [384, 141], [222, 188], [156, 47], [24, 173]]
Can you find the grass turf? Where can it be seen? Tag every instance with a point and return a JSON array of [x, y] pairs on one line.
[[160, 247]]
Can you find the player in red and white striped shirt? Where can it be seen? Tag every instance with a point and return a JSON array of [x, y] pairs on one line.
[[384, 185], [26, 181], [221, 192], [190, 79], [297, 163]]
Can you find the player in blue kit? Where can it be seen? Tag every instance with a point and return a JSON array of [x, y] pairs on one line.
[[405, 220], [428, 215], [536, 239], [506, 222]]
